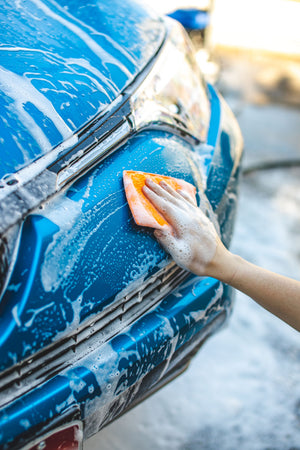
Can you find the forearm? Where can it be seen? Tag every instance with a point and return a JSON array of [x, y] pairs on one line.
[[279, 295]]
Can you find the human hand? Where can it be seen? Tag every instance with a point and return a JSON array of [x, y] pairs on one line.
[[194, 244], [191, 239]]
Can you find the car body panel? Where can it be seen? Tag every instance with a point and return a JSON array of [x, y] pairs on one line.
[[50, 87], [95, 316]]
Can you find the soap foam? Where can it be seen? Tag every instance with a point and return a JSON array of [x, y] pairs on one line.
[[192, 237]]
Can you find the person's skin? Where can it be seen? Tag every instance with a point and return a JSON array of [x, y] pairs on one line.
[[193, 243]]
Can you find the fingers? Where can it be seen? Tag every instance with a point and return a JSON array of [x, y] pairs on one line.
[[158, 195], [174, 193], [163, 190], [155, 196], [170, 203], [170, 195], [162, 204], [187, 197]]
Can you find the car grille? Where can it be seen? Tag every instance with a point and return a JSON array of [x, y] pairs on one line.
[[124, 311]]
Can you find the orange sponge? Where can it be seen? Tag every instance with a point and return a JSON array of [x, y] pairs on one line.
[[144, 213]]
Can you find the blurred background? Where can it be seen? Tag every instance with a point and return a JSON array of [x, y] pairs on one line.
[[269, 25], [242, 391]]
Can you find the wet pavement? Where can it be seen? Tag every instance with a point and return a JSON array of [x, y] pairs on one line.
[[242, 390]]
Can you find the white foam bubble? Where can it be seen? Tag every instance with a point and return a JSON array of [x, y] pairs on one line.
[[194, 238]]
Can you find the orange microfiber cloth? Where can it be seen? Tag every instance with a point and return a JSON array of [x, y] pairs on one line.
[[144, 213]]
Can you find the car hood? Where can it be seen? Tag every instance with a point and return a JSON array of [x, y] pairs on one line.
[[61, 65]]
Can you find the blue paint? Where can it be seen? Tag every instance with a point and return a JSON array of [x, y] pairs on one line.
[[110, 252], [33, 243], [192, 18], [76, 59], [43, 402], [215, 117], [137, 353], [82, 248]]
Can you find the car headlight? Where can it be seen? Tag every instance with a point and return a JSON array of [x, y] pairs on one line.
[[174, 92]]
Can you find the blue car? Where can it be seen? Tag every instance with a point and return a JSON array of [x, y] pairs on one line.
[[94, 315]]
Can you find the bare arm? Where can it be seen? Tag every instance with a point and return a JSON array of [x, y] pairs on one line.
[[194, 244], [278, 294]]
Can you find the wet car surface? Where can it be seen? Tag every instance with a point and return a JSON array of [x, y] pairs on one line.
[[94, 314]]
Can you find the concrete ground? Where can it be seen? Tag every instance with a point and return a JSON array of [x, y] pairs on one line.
[[242, 390]]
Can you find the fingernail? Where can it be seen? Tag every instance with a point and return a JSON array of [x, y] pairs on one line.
[[163, 183], [149, 181]]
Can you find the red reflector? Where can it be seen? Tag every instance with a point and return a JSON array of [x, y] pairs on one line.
[[64, 438]]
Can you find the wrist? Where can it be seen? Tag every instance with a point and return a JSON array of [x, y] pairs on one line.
[[224, 265]]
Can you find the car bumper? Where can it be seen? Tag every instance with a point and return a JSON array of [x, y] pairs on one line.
[[105, 383]]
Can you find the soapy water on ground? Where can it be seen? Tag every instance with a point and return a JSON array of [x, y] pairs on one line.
[[242, 389]]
